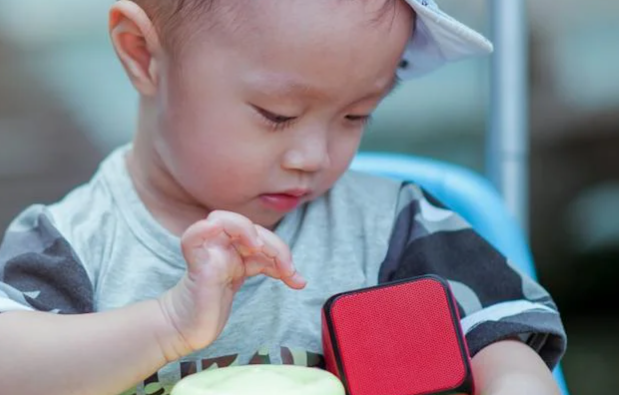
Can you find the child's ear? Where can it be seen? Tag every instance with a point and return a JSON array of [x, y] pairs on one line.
[[136, 43]]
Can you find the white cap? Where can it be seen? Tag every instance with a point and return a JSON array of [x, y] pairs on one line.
[[438, 39]]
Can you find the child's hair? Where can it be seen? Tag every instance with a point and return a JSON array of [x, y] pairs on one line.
[[171, 17], [174, 19]]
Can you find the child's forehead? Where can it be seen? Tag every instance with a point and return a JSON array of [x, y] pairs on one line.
[[315, 17], [298, 22], [177, 7], [174, 15], [326, 45]]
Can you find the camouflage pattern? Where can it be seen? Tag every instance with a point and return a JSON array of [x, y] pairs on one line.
[[100, 249]]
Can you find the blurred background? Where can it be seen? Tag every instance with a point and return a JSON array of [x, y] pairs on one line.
[[65, 103]]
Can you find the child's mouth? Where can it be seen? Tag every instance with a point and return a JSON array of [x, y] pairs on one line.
[[286, 201]]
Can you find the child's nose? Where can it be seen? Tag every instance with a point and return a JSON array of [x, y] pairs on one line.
[[309, 155]]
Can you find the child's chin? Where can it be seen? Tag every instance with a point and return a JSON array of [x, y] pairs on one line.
[[266, 218]]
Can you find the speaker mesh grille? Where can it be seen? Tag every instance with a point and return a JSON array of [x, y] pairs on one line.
[[398, 340]]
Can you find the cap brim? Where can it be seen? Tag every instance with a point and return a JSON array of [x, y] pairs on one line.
[[438, 39]]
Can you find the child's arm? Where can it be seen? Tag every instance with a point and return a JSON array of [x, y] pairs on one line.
[[496, 301], [107, 353], [511, 368], [100, 353]]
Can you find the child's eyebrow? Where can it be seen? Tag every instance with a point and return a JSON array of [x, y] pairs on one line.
[[289, 87], [284, 87], [386, 91]]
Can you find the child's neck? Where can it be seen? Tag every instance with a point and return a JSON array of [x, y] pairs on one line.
[[167, 202]]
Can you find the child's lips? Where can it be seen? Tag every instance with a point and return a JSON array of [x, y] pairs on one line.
[[284, 201]]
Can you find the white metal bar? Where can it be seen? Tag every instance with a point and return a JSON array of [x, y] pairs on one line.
[[507, 150]]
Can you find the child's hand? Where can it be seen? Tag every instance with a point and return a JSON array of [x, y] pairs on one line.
[[221, 252]]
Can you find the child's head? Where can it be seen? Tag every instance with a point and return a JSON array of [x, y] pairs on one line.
[[245, 100]]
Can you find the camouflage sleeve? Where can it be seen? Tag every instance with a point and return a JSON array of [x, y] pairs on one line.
[[39, 270], [495, 300]]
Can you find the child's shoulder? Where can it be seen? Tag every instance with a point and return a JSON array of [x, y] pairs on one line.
[[81, 205], [60, 244], [88, 206], [364, 201], [366, 189], [83, 219]]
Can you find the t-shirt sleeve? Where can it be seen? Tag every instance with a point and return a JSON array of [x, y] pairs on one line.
[[495, 300], [39, 270]]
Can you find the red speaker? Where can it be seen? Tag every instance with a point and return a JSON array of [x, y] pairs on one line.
[[401, 338]]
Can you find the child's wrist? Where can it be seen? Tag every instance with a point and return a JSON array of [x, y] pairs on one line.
[[171, 341]]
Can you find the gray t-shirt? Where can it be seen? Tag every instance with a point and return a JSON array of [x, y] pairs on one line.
[[100, 249]]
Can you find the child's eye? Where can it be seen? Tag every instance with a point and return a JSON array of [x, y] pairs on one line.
[[277, 120], [359, 119]]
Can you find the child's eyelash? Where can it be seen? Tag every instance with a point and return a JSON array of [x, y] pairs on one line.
[[364, 120], [276, 121]]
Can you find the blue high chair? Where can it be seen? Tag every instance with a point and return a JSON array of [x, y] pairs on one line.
[[467, 193]]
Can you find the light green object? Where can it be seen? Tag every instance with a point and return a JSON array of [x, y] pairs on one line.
[[260, 380]]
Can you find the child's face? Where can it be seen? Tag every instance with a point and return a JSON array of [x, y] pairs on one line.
[[251, 115]]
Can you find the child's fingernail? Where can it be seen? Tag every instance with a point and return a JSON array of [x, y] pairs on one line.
[[297, 278]]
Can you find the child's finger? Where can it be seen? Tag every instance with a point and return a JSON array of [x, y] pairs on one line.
[[220, 228], [276, 249], [279, 252], [261, 264], [296, 281], [238, 228], [196, 235]]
